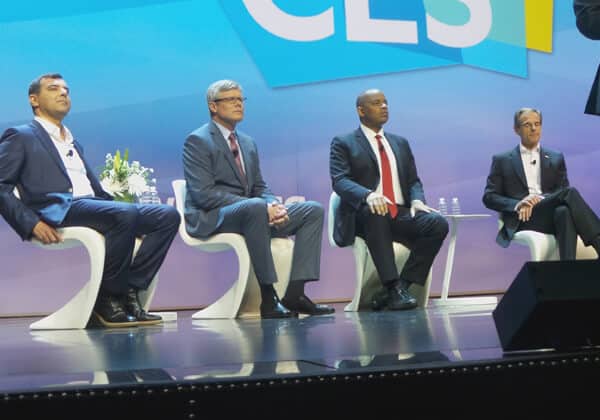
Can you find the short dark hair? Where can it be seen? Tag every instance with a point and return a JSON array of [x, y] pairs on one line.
[[517, 116], [36, 84]]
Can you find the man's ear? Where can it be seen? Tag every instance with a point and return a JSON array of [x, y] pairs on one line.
[[212, 107], [33, 101], [360, 111]]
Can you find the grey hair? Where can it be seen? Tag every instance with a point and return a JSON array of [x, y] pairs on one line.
[[522, 111], [221, 86], [361, 99]]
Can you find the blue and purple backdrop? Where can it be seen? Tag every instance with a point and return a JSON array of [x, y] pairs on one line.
[[454, 72]]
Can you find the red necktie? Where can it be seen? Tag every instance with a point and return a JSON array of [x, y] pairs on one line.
[[386, 178], [236, 154]]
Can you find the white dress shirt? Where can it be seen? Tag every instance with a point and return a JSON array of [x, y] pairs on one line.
[[70, 158], [370, 135], [531, 165]]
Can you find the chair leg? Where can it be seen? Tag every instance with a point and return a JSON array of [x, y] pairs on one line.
[[77, 311], [282, 250], [228, 305]]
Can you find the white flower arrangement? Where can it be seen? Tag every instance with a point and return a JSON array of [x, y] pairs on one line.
[[123, 180]]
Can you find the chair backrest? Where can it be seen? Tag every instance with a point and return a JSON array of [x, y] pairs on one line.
[[180, 192], [334, 203]]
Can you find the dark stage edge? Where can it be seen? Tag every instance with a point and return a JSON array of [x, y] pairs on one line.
[[445, 359]]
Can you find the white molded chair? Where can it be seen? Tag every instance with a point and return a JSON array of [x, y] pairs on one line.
[[77, 311], [544, 247], [367, 280], [243, 298]]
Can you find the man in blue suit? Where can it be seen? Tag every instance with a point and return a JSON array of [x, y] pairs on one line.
[[588, 23], [57, 188], [226, 193], [528, 185], [382, 201]]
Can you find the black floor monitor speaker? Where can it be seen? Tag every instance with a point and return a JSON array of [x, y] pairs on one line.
[[551, 304]]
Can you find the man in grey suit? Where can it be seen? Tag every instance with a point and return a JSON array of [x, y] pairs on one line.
[[382, 201], [528, 185], [226, 193], [588, 23]]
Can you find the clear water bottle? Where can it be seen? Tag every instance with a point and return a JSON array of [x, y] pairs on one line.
[[146, 197], [443, 207], [455, 206], [153, 196]]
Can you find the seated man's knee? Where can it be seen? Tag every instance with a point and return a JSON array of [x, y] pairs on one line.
[[255, 208], [172, 216], [316, 209], [440, 224], [561, 212]]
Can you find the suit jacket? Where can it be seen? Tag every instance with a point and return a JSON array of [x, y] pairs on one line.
[[30, 162], [355, 173], [507, 185], [588, 23], [213, 180]]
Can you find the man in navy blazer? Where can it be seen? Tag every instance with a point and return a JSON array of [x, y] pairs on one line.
[[57, 188], [528, 185], [587, 13], [227, 193], [384, 208]]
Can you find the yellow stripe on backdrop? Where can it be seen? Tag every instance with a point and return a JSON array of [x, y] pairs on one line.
[[539, 24]]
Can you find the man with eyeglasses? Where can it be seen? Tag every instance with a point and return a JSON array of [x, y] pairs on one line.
[[528, 185], [382, 201], [226, 193], [58, 188]]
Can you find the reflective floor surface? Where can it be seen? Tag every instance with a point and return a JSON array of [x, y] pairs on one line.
[[197, 350]]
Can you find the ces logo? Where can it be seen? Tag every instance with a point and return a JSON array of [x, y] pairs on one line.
[[295, 42], [360, 27]]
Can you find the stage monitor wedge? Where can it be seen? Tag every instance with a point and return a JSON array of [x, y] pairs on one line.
[[551, 305]]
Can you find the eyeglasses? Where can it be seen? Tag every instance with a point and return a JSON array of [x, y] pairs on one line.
[[529, 125], [231, 99]]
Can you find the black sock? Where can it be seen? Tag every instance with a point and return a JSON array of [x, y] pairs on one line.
[[294, 290], [404, 284], [267, 292]]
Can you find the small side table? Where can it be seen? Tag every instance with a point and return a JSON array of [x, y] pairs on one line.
[[454, 220]]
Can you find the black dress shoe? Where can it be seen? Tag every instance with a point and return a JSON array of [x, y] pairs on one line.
[[272, 308], [110, 312], [379, 300], [134, 308], [399, 299], [303, 305]]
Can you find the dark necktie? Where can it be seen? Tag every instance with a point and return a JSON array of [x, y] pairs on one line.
[[386, 177], [233, 146]]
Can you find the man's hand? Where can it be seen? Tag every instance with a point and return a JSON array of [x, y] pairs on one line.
[[277, 214], [46, 234], [378, 203], [418, 205], [526, 205]]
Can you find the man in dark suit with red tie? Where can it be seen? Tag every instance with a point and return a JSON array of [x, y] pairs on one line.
[[382, 201], [588, 23], [528, 185], [227, 193]]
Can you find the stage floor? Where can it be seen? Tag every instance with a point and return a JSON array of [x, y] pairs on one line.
[[250, 349]]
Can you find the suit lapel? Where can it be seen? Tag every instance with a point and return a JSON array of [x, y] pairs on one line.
[[362, 141], [517, 163], [545, 168], [221, 143], [46, 141], [400, 158]]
